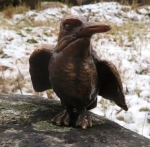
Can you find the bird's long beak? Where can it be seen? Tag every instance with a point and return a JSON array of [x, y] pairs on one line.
[[90, 29]]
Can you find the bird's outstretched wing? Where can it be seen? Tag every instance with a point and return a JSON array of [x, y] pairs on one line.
[[38, 62], [109, 81]]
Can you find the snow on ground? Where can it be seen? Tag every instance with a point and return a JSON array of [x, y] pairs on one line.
[[127, 46]]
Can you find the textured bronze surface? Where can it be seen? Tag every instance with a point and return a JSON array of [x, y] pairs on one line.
[[75, 72]]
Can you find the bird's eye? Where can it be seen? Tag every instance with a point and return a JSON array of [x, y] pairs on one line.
[[67, 27]]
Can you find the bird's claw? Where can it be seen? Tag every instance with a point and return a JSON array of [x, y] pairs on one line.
[[62, 118], [84, 121]]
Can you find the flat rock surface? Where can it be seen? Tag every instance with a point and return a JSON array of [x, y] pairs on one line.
[[25, 122]]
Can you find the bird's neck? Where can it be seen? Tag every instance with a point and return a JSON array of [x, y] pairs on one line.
[[75, 47], [64, 42]]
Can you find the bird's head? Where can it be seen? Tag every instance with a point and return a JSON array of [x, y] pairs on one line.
[[79, 27], [76, 31]]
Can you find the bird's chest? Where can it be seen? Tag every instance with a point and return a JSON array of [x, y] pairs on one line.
[[73, 75]]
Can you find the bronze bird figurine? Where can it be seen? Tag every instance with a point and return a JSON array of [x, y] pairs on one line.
[[75, 72]]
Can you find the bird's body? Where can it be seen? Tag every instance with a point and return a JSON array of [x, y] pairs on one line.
[[78, 78], [74, 71]]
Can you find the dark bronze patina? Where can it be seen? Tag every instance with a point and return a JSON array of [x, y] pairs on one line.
[[75, 72]]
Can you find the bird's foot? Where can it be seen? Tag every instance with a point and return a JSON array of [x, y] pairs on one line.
[[84, 120], [62, 118]]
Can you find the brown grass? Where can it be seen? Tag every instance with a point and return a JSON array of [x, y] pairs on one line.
[[10, 10]]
